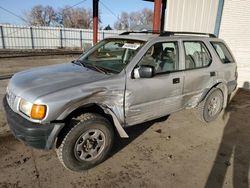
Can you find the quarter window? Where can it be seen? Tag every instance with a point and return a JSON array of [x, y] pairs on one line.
[[222, 52], [163, 56], [196, 55]]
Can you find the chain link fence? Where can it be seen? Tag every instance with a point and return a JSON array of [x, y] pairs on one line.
[[26, 37]]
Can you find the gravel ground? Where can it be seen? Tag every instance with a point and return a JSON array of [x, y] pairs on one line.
[[175, 151]]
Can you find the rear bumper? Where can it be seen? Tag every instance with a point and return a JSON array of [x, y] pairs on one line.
[[32, 134], [232, 85]]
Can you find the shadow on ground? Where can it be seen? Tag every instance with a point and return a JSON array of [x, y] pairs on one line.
[[134, 132], [234, 147]]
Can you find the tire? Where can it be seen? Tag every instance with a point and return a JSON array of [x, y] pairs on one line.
[[210, 108], [87, 142]]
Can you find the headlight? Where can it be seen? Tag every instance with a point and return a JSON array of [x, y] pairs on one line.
[[25, 107], [35, 111]]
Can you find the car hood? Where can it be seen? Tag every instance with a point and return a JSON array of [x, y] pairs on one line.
[[37, 82]]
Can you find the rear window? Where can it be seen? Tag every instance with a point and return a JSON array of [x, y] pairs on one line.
[[223, 52]]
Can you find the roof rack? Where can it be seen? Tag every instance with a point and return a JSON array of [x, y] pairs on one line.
[[141, 32], [168, 33]]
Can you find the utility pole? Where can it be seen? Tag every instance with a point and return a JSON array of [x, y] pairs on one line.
[[157, 15], [95, 20]]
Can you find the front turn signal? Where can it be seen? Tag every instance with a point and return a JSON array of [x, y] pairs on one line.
[[38, 111]]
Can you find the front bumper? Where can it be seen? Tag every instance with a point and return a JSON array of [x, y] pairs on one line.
[[32, 134]]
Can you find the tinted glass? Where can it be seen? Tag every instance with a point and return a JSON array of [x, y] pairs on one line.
[[163, 56], [196, 55], [112, 54], [222, 52]]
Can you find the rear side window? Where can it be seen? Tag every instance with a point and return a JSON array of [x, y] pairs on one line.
[[222, 52], [196, 55]]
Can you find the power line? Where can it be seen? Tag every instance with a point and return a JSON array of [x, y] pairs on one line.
[[109, 10], [12, 13], [75, 5], [20, 17]]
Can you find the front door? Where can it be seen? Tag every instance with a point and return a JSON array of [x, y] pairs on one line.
[[151, 98]]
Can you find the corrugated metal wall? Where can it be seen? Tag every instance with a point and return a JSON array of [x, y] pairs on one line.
[[235, 30], [191, 15]]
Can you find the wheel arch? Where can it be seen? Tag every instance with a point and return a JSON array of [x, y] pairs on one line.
[[222, 87], [92, 108]]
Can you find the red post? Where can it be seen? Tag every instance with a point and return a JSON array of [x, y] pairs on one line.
[[157, 15], [95, 20]]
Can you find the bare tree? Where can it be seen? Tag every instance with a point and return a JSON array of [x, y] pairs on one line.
[[123, 21], [132, 19], [67, 17], [41, 16], [147, 16], [75, 18]]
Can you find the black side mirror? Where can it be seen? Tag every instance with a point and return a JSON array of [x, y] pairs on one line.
[[144, 71]]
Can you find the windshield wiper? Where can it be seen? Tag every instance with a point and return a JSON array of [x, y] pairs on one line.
[[95, 67], [92, 66], [108, 70], [78, 62], [99, 69]]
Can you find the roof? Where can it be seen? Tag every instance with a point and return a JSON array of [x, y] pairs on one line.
[[137, 36]]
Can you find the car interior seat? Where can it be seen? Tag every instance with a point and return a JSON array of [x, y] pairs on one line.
[[189, 61], [157, 52], [201, 58], [168, 59]]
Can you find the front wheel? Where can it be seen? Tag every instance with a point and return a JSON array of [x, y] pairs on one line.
[[87, 143], [210, 108]]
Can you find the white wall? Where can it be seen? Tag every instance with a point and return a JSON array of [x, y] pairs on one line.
[[235, 30]]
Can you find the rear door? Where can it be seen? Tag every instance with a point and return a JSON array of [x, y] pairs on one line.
[[200, 71], [150, 98]]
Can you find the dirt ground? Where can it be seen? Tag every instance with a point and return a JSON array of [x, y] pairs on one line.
[[12, 65], [175, 151]]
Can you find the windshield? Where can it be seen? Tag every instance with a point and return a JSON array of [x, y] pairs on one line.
[[111, 55]]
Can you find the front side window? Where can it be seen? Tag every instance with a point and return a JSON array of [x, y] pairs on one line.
[[222, 52], [164, 57], [196, 55], [111, 55]]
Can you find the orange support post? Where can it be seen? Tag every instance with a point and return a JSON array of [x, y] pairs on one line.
[[95, 21], [157, 15]]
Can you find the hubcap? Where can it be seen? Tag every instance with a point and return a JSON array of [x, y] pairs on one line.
[[89, 145], [214, 106]]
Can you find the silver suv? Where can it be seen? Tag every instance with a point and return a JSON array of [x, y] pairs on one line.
[[122, 81]]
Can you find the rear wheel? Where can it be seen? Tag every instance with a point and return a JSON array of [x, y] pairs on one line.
[[210, 108], [87, 143]]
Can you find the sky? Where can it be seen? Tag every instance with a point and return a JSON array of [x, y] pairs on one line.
[[114, 6]]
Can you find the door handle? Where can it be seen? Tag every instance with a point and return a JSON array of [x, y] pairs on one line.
[[212, 73], [176, 80]]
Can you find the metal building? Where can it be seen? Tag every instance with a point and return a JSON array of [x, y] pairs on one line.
[[229, 19]]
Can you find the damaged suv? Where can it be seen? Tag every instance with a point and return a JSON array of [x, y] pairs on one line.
[[124, 80]]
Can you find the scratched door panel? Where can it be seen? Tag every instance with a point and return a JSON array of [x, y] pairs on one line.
[[153, 97]]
